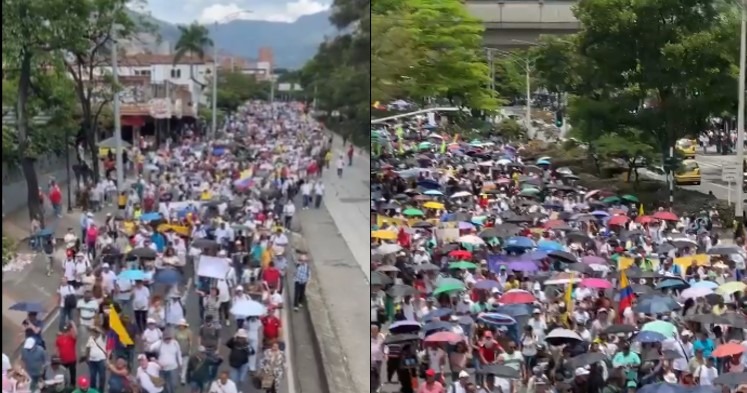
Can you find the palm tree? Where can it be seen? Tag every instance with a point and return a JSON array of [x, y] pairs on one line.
[[193, 42]]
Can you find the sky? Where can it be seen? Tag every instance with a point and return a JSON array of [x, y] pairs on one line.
[[211, 11]]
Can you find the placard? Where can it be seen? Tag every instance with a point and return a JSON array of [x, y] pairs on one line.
[[447, 235], [213, 267]]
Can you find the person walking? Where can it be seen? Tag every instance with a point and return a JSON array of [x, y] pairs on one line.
[[303, 274]]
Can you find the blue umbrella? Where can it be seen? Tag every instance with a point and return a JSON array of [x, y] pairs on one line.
[[29, 307], [553, 205], [704, 284], [132, 275], [429, 184], [600, 213], [670, 283], [150, 217], [656, 305], [649, 337], [543, 162], [436, 326], [167, 277], [496, 319], [438, 314], [547, 245], [433, 193], [401, 327], [519, 242], [515, 310], [487, 284]]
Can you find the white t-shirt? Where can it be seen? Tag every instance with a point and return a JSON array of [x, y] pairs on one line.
[[88, 310], [140, 298], [436, 359], [706, 375], [218, 387], [96, 349]]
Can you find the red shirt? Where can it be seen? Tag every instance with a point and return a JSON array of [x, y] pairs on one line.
[[490, 354], [271, 276], [55, 196], [271, 326], [66, 348]]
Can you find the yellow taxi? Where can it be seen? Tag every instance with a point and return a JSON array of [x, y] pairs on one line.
[[688, 173], [686, 147]]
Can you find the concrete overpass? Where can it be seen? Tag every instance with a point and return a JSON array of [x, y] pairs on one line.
[[509, 22]]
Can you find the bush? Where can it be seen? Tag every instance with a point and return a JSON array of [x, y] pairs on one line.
[[9, 250]]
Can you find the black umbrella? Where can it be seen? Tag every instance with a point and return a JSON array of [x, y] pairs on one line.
[[734, 320], [577, 237], [713, 299], [664, 248], [500, 371], [731, 379], [422, 224], [427, 267], [401, 338], [723, 250], [489, 233], [653, 354], [143, 252], [380, 279], [586, 359], [401, 291], [563, 256], [581, 268], [204, 243], [619, 329], [707, 319]]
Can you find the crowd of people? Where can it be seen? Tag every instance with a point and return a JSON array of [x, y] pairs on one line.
[[182, 285], [495, 271]]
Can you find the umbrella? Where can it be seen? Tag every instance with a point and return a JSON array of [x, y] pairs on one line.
[[593, 260], [438, 314], [694, 293], [649, 337], [433, 193], [596, 283], [388, 248], [727, 350], [148, 217], [630, 198], [387, 269], [248, 308], [523, 266], [28, 307], [500, 371], [461, 255], [529, 192], [436, 326], [672, 283], [461, 194], [547, 245], [378, 278], [563, 256], [433, 205], [515, 310], [517, 297], [463, 265], [666, 216], [653, 354], [471, 239], [656, 305], [167, 277], [422, 225], [578, 237], [412, 212], [561, 336], [600, 213], [444, 337], [402, 327], [401, 338], [384, 235], [448, 287], [663, 387], [519, 242], [723, 250], [487, 284], [704, 284], [664, 328], [495, 319], [734, 320], [427, 267], [618, 220], [143, 252], [731, 287], [611, 200], [401, 291], [204, 243], [586, 359], [706, 319], [618, 329], [132, 275], [731, 379]]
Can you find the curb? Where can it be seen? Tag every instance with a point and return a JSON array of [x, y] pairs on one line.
[[327, 349]]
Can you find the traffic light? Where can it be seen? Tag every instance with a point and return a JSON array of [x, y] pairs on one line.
[[558, 119]]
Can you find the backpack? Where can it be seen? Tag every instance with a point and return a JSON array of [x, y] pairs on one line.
[[70, 301]]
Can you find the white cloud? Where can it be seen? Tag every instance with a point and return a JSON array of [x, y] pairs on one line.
[[288, 12]]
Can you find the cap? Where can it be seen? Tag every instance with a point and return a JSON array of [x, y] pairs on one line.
[[430, 373], [150, 320], [242, 333], [632, 384], [686, 333], [536, 311], [581, 371], [105, 266], [83, 382], [463, 374]]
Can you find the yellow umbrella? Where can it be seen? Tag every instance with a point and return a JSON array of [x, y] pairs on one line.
[[731, 287], [433, 205], [384, 235]]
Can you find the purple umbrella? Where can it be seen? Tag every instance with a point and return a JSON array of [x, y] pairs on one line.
[[487, 284], [593, 260], [537, 255], [464, 226], [523, 266]]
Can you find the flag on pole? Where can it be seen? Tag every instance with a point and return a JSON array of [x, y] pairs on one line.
[[626, 294], [641, 212], [118, 327], [443, 147], [569, 295]]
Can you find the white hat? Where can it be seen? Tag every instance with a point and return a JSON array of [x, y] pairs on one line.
[[581, 372], [686, 333], [105, 266], [536, 311], [29, 343], [463, 374], [242, 333], [182, 322], [150, 320], [239, 288]]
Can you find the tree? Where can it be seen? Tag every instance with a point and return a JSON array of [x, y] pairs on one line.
[[194, 40], [34, 32], [626, 147], [511, 129], [555, 60], [87, 54], [393, 56], [235, 88]]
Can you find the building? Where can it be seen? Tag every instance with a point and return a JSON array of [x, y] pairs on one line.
[[261, 67]]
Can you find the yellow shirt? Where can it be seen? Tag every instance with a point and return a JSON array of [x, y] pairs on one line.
[[266, 259], [718, 310], [122, 200], [206, 196], [137, 213], [511, 285]]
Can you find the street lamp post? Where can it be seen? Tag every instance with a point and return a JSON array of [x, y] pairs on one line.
[[117, 114], [526, 64], [67, 170], [739, 203]]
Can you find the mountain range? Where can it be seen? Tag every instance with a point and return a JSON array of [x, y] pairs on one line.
[[293, 44]]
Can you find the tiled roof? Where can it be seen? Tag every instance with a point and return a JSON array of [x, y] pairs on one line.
[[151, 59]]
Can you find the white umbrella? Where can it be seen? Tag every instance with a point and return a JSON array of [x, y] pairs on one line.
[[485, 163], [563, 281], [471, 239], [436, 136], [503, 161], [461, 194], [388, 248], [694, 293], [248, 308], [562, 335]]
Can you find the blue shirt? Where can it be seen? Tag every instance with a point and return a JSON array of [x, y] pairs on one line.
[[705, 345]]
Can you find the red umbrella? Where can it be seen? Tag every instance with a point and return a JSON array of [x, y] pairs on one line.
[[666, 216], [461, 255], [618, 220], [444, 337], [726, 350], [517, 297], [552, 224], [645, 219]]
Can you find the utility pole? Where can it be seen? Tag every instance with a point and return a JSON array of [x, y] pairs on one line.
[[739, 203], [530, 132], [117, 114], [214, 128]]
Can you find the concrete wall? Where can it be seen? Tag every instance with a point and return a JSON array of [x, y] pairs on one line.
[[15, 193], [508, 39]]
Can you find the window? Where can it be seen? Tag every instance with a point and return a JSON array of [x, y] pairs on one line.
[[176, 73], [142, 72]]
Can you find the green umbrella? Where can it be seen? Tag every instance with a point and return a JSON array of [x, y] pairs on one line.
[[529, 192], [631, 198], [611, 199], [413, 212], [462, 265], [448, 287], [662, 327], [425, 145]]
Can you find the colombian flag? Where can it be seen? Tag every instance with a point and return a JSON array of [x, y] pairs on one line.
[[626, 294]]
